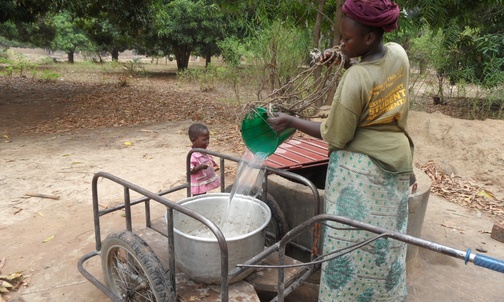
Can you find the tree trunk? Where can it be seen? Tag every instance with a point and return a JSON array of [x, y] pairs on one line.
[[336, 38], [315, 42], [337, 21], [182, 55], [115, 54], [187, 57], [208, 57], [70, 56], [177, 54]]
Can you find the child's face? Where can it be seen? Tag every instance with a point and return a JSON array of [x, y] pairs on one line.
[[202, 140]]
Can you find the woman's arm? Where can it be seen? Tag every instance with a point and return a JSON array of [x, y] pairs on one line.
[[283, 121]]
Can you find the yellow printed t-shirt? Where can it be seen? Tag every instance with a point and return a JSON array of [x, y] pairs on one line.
[[370, 111]]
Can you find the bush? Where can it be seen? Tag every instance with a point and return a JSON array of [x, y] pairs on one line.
[[18, 65], [207, 78], [48, 76]]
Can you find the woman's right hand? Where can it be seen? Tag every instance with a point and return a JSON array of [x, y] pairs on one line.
[[331, 57], [280, 121]]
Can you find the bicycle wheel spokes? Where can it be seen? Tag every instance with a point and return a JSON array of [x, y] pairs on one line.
[[129, 277], [132, 271]]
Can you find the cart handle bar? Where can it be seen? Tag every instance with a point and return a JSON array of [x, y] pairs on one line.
[[485, 261], [478, 259]]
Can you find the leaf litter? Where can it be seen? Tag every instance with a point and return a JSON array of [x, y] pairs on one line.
[[463, 191]]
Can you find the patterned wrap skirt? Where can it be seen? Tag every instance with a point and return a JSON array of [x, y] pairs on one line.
[[356, 188]]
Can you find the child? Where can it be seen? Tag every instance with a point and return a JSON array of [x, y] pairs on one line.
[[203, 167]]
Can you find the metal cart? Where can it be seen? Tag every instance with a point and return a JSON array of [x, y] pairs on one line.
[[133, 272]]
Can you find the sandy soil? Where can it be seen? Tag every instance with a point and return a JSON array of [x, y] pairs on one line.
[[470, 149], [45, 236]]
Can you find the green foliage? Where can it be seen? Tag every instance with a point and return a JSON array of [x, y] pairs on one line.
[[24, 11], [181, 26], [114, 65], [277, 51], [492, 57], [425, 58], [258, 12], [128, 71], [8, 35], [48, 76], [471, 37], [232, 50], [129, 17], [39, 33], [3, 53], [458, 43], [105, 36], [134, 68], [438, 70], [255, 14], [469, 57], [207, 78], [16, 66], [69, 36], [46, 61]]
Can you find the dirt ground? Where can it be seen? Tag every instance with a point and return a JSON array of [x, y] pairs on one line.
[[53, 141]]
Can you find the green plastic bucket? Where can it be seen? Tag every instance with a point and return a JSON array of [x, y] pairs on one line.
[[258, 136]]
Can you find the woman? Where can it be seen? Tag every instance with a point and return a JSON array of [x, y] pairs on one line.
[[370, 157]]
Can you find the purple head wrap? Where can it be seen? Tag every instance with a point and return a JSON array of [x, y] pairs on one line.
[[377, 13]]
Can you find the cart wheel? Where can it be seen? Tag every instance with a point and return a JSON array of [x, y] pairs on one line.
[[132, 271], [278, 226]]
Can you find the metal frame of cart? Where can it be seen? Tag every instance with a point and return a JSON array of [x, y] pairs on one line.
[[146, 200], [284, 288]]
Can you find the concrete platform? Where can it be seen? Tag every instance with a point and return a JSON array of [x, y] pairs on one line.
[[437, 277]]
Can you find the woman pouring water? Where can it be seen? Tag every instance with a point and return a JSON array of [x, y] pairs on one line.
[[371, 155]]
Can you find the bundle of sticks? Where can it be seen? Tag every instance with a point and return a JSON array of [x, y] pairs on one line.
[[299, 96]]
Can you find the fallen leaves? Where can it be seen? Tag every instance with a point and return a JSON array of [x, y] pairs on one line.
[[49, 238], [462, 191], [12, 282], [460, 107], [109, 106], [486, 194], [72, 105]]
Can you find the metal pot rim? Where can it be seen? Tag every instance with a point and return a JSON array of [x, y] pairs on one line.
[[228, 239]]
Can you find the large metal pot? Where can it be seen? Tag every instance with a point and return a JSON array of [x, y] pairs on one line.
[[197, 251]]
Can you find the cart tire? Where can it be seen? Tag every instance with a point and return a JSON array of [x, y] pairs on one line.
[[132, 271], [278, 226]]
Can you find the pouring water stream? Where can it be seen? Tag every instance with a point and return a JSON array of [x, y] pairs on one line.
[[248, 182]]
